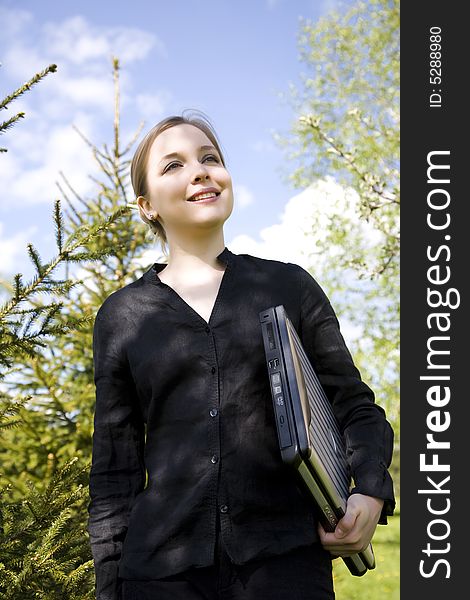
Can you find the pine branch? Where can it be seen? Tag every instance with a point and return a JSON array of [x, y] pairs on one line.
[[42, 547], [18, 337], [81, 237], [59, 225], [85, 204], [10, 122], [36, 259], [116, 108], [89, 143], [11, 408], [27, 86]]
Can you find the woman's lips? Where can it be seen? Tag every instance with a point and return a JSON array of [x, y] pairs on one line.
[[204, 199], [204, 191]]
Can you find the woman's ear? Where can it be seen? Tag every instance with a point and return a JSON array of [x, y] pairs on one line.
[[146, 208]]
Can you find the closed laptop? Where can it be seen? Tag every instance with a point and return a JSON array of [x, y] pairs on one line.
[[309, 438]]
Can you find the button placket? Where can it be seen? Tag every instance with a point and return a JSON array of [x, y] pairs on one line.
[[214, 431]]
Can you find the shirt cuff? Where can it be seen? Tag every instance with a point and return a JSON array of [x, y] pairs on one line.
[[373, 479]]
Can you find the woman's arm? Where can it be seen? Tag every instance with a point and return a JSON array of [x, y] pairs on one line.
[[367, 433], [117, 473]]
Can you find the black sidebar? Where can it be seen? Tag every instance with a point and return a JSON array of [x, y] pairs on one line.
[[435, 365]]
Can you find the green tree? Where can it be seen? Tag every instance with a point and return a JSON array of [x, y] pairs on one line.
[[347, 127], [43, 543], [346, 132], [47, 393], [59, 420], [34, 546]]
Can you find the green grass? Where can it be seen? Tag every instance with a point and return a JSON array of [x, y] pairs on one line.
[[384, 581]]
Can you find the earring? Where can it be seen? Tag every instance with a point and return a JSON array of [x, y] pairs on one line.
[[151, 216]]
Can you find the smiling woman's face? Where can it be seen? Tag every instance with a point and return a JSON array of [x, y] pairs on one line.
[[183, 162]]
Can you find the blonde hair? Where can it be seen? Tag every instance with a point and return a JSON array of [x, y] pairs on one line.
[[141, 155]]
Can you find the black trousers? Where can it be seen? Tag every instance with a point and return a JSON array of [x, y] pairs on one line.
[[302, 574]]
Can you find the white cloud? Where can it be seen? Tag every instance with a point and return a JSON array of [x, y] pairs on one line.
[[93, 92], [24, 61], [46, 153], [243, 196], [287, 240], [80, 93], [78, 41], [303, 225], [81, 50], [152, 107], [13, 21], [12, 248], [74, 41]]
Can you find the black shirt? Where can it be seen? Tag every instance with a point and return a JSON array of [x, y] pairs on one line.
[[184, 424]]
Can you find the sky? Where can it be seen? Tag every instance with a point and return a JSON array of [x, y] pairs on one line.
[[235, 61]]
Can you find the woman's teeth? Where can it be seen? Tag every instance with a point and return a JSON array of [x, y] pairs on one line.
[[203, 197]]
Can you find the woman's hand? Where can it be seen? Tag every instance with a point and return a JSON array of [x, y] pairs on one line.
[[354, 531]]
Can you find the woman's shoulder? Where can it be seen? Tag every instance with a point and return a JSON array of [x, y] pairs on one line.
[[291, 273], [125, 297], [270, 264]]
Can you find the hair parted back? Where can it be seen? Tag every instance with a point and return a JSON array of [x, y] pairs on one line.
[[140, 160]]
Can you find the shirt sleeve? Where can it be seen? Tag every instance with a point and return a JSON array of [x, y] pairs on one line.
[[367, 433], [117, 473]]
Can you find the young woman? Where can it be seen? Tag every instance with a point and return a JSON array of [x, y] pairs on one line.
[[189, 496]]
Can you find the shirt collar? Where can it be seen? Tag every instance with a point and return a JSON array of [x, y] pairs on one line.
[[226, 256]]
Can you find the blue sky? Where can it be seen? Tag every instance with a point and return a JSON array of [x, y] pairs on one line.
[[233, 60]]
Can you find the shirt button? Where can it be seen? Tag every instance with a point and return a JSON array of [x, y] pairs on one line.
[[214, 412], [208, 330], [224, 508], [213, 370], [214, 459]]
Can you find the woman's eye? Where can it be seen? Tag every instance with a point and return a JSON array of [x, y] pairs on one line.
[[212, 157], [170, 166]]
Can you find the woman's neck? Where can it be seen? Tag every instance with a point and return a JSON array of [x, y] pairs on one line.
[[188, 256]]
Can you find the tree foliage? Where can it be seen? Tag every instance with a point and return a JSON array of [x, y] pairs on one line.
[[347, 127], [47, 394], [43, 540]]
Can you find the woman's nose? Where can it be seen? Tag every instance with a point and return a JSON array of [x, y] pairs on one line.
[[200, 172]]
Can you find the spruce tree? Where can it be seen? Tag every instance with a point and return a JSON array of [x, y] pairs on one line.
[[48, 380]]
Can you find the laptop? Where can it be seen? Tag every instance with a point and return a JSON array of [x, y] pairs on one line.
[[309, 438]]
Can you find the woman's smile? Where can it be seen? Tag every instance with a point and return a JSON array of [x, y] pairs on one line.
[[204, 195]]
